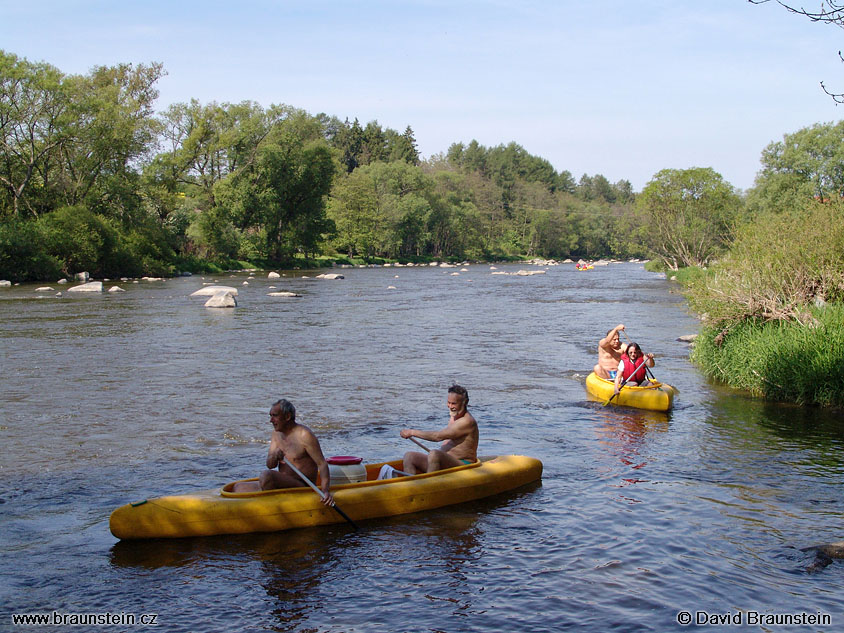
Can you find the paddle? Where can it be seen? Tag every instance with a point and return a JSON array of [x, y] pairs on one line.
[[419, 444], [319, 492], [621, 386]]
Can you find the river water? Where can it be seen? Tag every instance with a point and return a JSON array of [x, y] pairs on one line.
[[117, 397]]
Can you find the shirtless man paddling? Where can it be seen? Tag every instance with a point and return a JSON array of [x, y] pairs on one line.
[[300, 446], [610, 351], [459, 439]]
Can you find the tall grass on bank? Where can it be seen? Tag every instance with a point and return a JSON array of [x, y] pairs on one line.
[[779, 360]]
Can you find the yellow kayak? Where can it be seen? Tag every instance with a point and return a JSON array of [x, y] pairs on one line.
[[657, 396], [220, 511]]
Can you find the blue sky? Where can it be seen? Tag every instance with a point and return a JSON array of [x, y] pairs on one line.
[[623, 88]]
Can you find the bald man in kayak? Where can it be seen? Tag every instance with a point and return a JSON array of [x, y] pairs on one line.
[[459, 438], [300, 446], [610, 351]]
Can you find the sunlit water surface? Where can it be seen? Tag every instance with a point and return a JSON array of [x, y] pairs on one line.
[[639, 516]]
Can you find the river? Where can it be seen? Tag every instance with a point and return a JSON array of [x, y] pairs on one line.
[[639, 517]]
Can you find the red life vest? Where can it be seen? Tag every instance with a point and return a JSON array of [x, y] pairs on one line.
[[641, 374]]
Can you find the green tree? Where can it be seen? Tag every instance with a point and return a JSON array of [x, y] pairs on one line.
[[83, 241], [282, 193], [552, 234], [349, 140], [383, 209], [777, 267], [689, 215], [808, 163], [207, 143], [597, 187], [69, 140], [374, 146], [565, 182], [454, 223], [34, 115], [23, 252], [402, 146], [112, 132], [214, 235]]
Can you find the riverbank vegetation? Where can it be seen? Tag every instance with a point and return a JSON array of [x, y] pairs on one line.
[[779, 360], [91, 178], [772, 305]]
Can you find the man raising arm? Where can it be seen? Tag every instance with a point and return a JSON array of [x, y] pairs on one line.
[[610, 349]]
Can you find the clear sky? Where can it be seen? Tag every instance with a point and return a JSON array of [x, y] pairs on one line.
[[622, 88]]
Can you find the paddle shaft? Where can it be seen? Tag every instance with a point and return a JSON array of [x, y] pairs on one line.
[[419, 444], [621, 386], [319, 492]]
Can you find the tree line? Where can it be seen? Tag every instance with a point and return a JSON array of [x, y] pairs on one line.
[[92, 178]]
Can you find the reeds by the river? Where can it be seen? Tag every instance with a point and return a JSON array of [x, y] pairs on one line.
[[779, 360]]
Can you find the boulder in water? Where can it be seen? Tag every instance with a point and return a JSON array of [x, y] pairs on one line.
[[825, 553], [222, 299], [210, 291], [91, 286]]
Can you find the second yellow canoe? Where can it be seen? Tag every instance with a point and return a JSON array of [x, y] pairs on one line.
[[657, 396]]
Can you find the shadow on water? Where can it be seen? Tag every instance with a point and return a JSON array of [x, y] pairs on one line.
[[370, 572], [291, 547], [775, 426]]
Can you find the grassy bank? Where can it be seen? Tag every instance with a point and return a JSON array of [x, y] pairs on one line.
[[773, 305], [779, 360]]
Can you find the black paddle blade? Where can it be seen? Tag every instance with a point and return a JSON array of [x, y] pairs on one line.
[[345, 516]]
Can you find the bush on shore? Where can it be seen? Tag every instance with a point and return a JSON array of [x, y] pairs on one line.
[[780, 264], [74, 239], [23, 256]]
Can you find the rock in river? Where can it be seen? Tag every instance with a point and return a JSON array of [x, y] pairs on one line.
[[210, 291], [222, 299], [91, 286]]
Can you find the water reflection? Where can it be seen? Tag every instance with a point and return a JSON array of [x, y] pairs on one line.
[[306, 574], [624, 434], [807, 438]]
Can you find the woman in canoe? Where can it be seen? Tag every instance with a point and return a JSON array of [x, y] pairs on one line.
[[632, 367]]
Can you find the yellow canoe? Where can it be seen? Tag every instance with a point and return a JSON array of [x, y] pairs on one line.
[[220, 511], [657, 396]]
